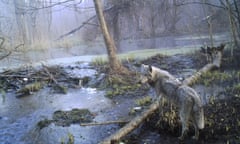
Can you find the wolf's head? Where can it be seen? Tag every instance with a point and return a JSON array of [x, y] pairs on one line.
[[151, 74], [146, 73]]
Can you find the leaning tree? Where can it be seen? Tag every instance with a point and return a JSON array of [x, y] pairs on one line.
[[115, 64]]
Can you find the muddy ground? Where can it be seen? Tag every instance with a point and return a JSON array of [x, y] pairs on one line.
[[222, 115]]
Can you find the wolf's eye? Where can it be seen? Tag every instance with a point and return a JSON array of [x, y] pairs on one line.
[[146, 75]]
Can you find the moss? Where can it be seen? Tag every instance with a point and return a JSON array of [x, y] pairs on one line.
[[44, 123], [144, 101], [60, 88], [99, 61], [109, 94], [65, 118], [27, 89], [132, 111], [236, 88], [121, 89], [85, 80], [216, 77], [70, 139]]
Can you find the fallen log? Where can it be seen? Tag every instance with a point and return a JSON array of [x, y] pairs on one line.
[[216, 55], [131, 125]]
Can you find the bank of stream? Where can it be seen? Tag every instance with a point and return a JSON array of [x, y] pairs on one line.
[[22, 113]]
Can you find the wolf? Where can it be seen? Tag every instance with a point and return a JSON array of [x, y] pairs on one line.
[[184, 97]]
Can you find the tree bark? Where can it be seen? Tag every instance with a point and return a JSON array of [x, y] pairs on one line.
[[232, 23], [153, 107], [115, 64]]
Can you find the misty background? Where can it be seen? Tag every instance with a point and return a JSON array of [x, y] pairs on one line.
[[43, 29]]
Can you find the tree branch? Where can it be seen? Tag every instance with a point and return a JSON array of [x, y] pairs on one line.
[[76, 29], [9, 52], [104, 123], [2, 42], [82, 25], [201, 3], [53, 4]]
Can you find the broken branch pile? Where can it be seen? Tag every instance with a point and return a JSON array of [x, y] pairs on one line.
[[24, 81]]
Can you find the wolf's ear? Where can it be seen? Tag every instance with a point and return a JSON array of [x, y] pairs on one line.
[[150, 68]]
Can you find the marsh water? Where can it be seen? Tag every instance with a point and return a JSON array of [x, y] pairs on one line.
[[19, 117]]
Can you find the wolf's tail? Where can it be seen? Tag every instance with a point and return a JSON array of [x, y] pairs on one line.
[[199, 117], [198, 112]]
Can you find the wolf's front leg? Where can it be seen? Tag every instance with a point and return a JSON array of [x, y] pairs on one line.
[[184, 127], [196, 131], [161, 103]]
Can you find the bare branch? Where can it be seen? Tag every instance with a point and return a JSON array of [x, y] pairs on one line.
[[76, 29], [53, 4], [83, 24], [104, 123], [2, 42], [10, 52], [201, 3]]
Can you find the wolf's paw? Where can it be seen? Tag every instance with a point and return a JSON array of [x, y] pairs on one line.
[[181, 138], [195, 137]]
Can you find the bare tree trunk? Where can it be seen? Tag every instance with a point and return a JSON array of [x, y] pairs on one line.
[[115, 64], [232, 23], [238, 17], [209, 21], [20, 18], [26, 20]]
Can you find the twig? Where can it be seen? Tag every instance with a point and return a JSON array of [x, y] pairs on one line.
[[10, 52], [82, 25], [76, 29], [49, 74], [103, 123], [2, 42], [60, 87]]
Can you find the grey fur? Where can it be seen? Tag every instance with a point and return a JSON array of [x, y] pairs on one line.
[[183, 96]]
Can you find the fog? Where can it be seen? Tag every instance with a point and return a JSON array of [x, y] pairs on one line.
[[52, 25]]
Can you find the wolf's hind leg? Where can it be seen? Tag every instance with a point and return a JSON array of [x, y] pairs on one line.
[[196, 129], [185, 111], [198, 120]]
